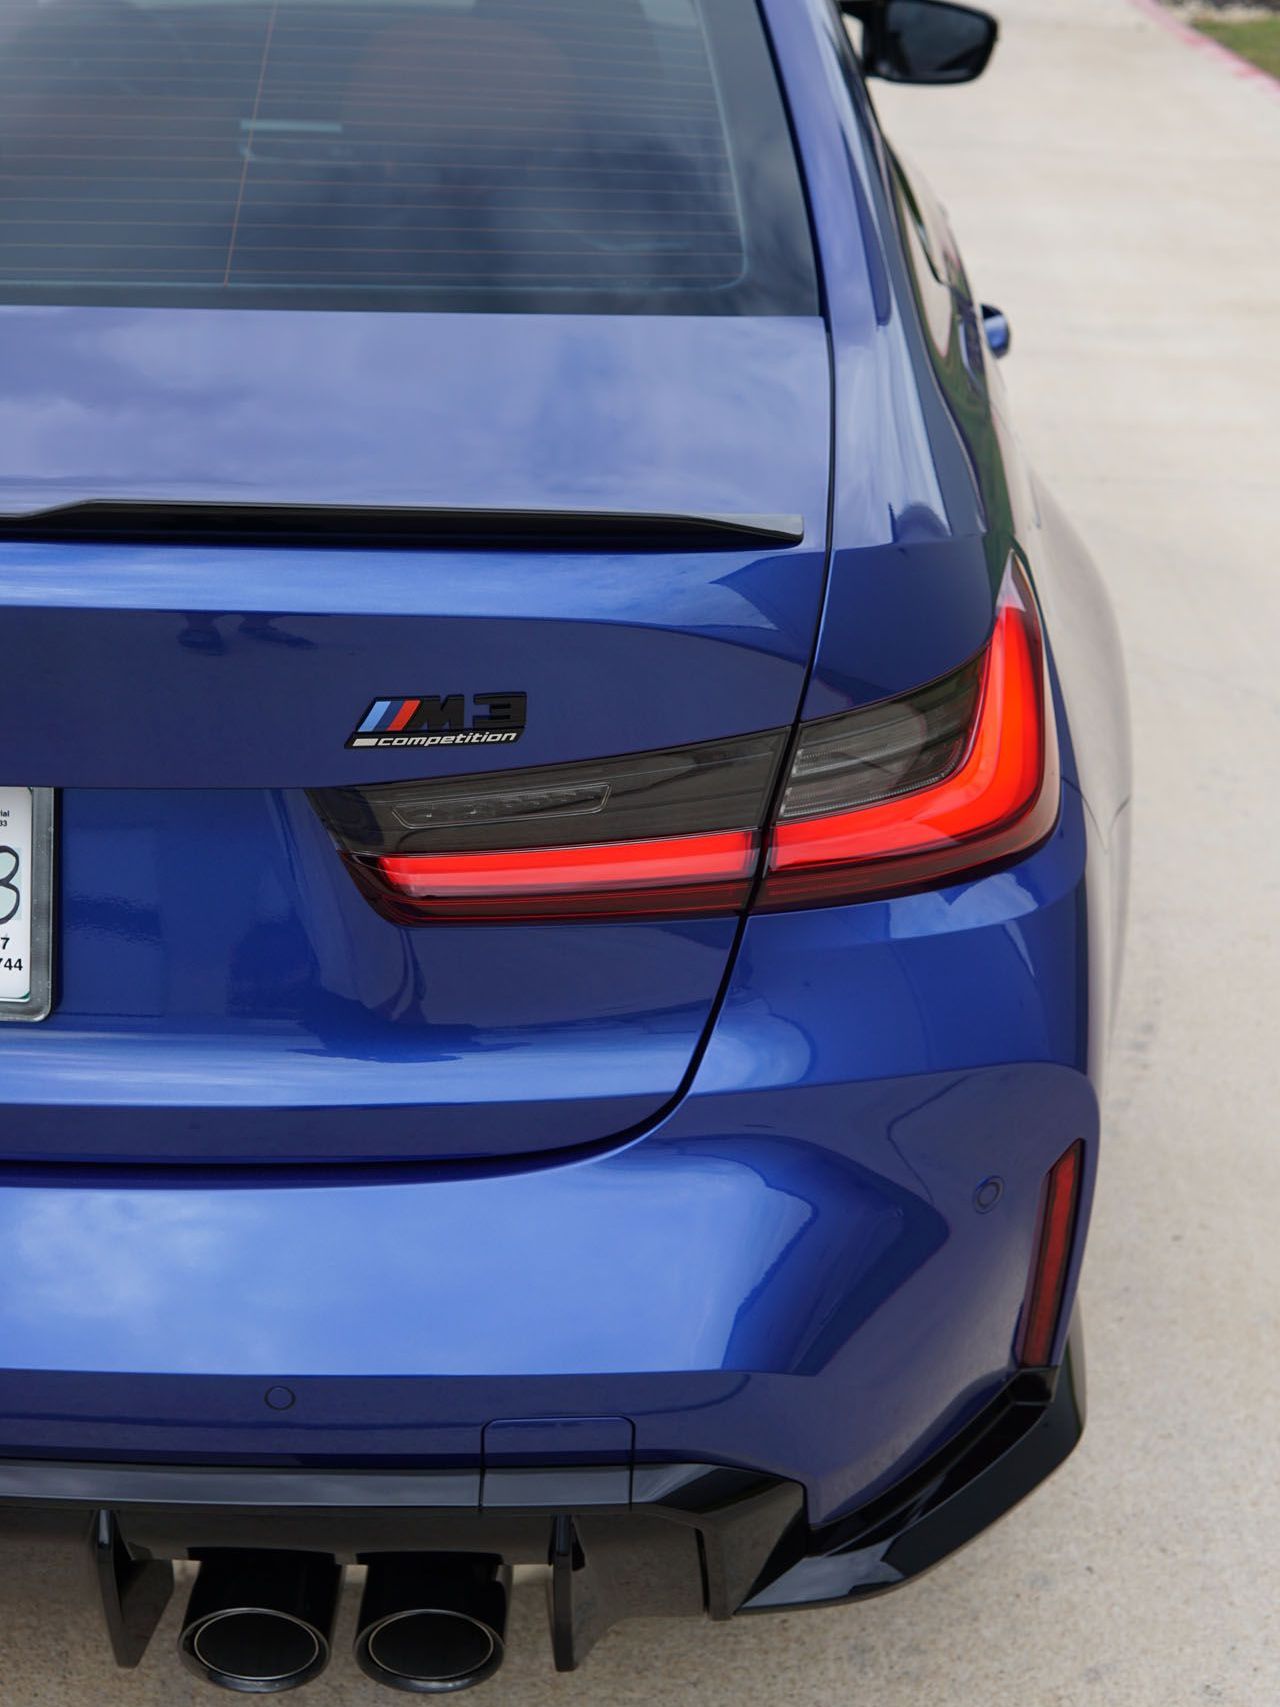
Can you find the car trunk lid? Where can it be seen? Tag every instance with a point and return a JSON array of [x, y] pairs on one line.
[[226, 995]]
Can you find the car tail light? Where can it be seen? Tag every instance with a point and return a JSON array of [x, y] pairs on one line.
[[674, 832], [937, 784], [943, 782], [1042, 1305]]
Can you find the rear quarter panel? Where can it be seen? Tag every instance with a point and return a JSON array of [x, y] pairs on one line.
[[987, 502]]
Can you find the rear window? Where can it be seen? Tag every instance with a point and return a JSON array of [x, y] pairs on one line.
[[584, 155]]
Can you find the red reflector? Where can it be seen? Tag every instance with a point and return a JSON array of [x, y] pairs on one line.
[[670, 875], [1043, 1303], [1000, 800]]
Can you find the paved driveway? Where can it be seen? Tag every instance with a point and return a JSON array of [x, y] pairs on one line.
[[1118, 195]]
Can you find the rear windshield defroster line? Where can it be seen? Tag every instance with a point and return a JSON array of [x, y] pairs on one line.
[[521, 155]]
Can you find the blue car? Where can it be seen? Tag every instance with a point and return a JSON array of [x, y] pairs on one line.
[[563, 827]]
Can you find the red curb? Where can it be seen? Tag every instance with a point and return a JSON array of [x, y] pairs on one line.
[[1237, 66]]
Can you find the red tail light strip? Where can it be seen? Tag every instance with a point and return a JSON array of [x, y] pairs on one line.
[[1048, 1278], [1001, 799], [676, 874]]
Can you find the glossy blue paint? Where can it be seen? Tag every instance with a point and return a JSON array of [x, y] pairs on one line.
[[216, 959], [763, 1255], [227, 995], [715, 1183], [238, 668], [911, 588], [520, 411]]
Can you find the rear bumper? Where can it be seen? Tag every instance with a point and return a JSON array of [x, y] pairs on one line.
[[812, 1269], [622, 1541], [751, 1298]]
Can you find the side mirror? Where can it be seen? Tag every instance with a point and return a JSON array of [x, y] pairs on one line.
[[923, 41]]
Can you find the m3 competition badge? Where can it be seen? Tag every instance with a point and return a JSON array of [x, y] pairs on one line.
[[442, 720]]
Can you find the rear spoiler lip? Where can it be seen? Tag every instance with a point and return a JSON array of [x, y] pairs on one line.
[[396, 527]]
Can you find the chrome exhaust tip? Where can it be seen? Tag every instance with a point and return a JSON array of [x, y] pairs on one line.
[[260, 1623], [433, 1623]]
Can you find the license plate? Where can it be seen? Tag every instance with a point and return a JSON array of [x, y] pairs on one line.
[[26, 902]]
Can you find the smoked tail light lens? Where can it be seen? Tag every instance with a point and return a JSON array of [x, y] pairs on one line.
[[675, 833], [940, 783], [1046, 1283], [936, 785]]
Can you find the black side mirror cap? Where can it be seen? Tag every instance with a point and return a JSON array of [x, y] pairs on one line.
[[923, 41]]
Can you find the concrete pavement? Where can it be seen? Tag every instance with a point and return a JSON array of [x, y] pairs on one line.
[[1117, 194]]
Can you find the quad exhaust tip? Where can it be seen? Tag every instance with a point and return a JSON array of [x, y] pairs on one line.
[[433, 1623], [255, 1651], [260, 1623]]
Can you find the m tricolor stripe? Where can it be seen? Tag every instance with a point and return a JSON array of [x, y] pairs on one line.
[[406, 711], [388, 716], [373, 719]]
